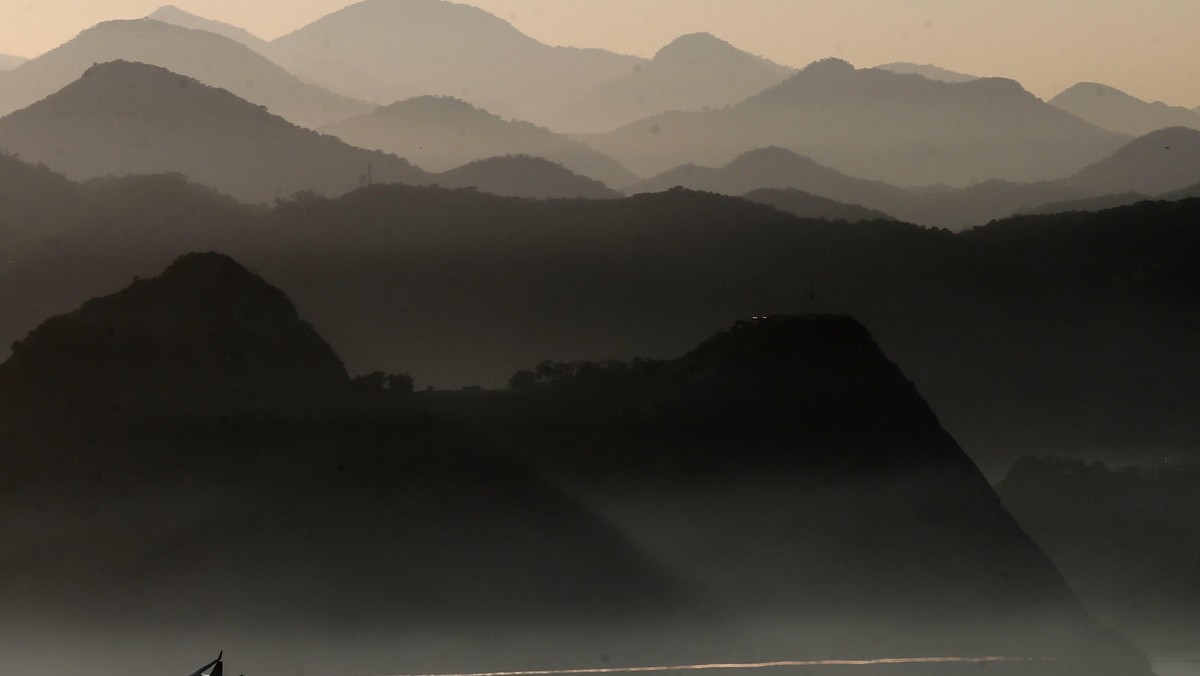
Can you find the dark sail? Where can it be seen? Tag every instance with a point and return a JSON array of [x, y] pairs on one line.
[[215, 666]]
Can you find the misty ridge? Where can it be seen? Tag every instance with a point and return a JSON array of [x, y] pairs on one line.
[[408, 343]]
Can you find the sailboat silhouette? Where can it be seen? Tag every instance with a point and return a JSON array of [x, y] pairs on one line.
[[214, 668]]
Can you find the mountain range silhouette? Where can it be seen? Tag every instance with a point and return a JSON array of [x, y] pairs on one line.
[[912, 540], [701, 455], [926, 70], [525, 176], [131, 118], [389, 273], [903, 129], [392, 50], [174, 15], [694, 71], [213, 59], [1158, 163], [441, 133], [1113, 109]]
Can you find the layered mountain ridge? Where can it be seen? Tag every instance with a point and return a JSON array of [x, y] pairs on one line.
[[442, 133], [131, 118], [903, 129], [800, 416], [210, 58]]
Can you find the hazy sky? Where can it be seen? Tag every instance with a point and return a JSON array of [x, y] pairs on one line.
[[1150, 48]]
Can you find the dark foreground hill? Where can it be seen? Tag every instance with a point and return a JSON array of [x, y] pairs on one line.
[[1127, 538], [205, 338], [413, 530], [1073, 333], [230, 493], [131, 118]]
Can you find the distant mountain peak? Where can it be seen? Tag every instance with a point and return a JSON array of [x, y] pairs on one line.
[[525, 176], [1094, 88], [420, 9], [829, 65], [168, 10], [1002, 86], [769, 153], [697, 48], [138, 118], [1110, 108], [184, 19], [773, 156], [216, 54], [693, 43], [444, 105]]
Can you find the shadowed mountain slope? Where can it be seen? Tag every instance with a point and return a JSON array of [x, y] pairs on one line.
[[33, 200], [1190, 191], [773, 423], [202, 393], [173, 15], [1156, 164], [927, 71], [130, 118], [779, 169], [1159, 162], [390, 50], [441, 133], [902, 129], [1113, 109], [805, 205], [1127, 538], [693, 72], [215, 60], [524, 176]]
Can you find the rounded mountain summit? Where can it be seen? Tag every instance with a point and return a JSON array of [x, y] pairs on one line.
[[205, 337]]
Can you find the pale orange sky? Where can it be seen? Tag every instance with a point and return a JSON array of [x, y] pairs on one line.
[[1149, 48]]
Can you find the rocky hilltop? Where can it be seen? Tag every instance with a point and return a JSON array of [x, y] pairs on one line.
[[204, 338]]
